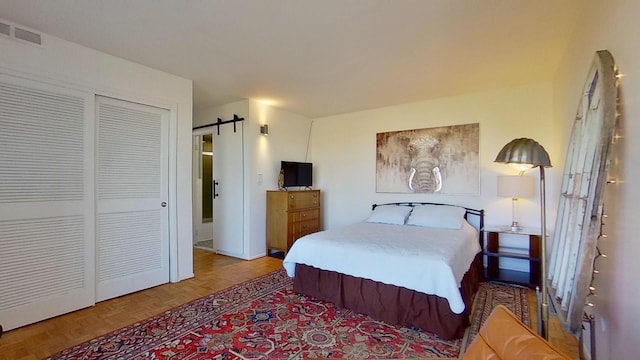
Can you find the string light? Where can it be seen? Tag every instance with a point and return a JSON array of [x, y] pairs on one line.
[[589, 303], [602, 235], [619, 77], [599, 254]]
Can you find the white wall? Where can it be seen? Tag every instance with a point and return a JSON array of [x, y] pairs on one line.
[[343, 151], [612, 25], [62, 62], [287, 140]]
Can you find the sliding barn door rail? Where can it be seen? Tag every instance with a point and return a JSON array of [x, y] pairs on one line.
[[220, 122]]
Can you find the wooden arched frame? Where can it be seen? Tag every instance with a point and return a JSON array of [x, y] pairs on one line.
[[578, 225]]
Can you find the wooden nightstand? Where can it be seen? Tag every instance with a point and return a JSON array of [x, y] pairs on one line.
[[493, 253]]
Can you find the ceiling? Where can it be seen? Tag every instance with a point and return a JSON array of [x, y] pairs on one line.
[[320, 57]]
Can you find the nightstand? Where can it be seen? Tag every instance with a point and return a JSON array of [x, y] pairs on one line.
[[493, 253]]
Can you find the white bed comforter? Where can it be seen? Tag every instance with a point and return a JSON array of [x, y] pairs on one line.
[[429, 260]]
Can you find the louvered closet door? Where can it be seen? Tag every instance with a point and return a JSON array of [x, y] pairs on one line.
[[132, 223], [46, 201]]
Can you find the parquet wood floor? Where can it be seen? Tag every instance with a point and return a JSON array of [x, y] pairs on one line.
[[563, 340], [212, 273]]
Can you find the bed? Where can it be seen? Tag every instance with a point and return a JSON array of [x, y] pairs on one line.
[[414, 264]]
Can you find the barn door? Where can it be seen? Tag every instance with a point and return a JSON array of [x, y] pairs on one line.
[[132, 193], [218, 175], [46, 201], [228, 190]]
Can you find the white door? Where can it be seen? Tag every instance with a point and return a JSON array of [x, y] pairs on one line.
[[228, 190], [132, 193], [46, 201]]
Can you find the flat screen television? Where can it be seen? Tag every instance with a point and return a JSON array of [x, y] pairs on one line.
[[297, 173]]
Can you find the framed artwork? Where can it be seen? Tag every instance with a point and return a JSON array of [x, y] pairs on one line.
[[441, 160]]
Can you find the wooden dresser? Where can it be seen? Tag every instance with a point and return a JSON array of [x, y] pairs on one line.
[[291, 215]]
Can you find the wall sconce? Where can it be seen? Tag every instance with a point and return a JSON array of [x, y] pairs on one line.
[[516, 187], [264, 129]]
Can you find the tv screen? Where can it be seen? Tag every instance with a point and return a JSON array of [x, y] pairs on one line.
[[297, 173]]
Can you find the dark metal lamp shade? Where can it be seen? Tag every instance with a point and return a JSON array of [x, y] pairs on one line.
[[524, 151]]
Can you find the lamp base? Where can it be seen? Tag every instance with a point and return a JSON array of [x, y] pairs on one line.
[[516, 227]]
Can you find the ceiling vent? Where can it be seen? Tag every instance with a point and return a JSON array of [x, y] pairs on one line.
[[20, 33], [5, 29], [27, 35]]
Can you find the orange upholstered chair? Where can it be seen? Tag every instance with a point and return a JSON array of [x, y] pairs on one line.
[[503, 336]]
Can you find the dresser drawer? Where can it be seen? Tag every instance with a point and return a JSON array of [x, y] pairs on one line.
[[308, 227], [298, 229], [303, 199], [305, 226], [302, 215], [303, 222]]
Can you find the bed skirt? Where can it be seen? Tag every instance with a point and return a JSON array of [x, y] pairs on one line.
[[389, 303]]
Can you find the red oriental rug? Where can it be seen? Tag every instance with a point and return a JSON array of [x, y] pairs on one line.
[[264, 318]]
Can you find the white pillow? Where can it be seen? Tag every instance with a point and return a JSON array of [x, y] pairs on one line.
[[437, 216], [389, 214]]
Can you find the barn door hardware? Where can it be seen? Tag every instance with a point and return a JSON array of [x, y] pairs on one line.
[[220, 122], [215, 191]]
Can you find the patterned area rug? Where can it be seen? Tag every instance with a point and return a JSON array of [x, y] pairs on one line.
[[488, 297], [264, 318]]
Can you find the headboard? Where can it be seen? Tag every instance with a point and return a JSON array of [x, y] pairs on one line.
[[477, 221]]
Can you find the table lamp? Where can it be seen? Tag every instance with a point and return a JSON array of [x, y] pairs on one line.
[[516, 187]]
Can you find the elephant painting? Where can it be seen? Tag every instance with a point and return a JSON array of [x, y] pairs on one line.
[[435, 160], [424, 172]]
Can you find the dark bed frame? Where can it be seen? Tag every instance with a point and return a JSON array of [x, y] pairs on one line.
[[393, 304]]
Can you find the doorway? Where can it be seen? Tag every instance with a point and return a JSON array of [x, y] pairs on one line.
[[203, 192]]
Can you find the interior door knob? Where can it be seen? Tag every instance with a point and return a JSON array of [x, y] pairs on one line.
[[164, 204]]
